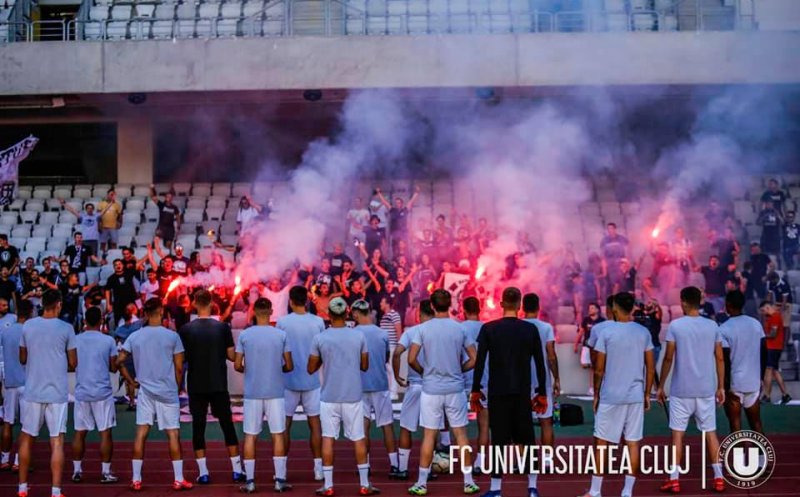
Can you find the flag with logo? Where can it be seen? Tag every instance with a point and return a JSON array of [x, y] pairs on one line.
[[9, 167], [455, 284]]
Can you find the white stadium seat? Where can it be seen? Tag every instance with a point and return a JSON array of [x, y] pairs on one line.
[[42, 230], [9, 219], [205, 13], [21, 231], [164, 18], [187, 17], [227, 26], [117, 29]]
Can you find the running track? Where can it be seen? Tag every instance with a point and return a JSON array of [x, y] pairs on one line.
[[158, 474]]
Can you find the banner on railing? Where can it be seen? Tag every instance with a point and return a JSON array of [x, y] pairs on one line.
[[9, 167]]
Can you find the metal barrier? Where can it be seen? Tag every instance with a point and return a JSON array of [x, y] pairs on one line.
[[11, 31], [382, 17]]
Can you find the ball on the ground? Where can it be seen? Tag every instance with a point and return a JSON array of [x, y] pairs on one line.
[[441, 462]]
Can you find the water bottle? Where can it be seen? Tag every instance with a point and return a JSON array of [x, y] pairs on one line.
[[557, 414]]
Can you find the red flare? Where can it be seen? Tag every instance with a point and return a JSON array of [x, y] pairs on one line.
[[480, 272], [172, 286]]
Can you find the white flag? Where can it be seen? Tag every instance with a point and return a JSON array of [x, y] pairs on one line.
[[9, 167]]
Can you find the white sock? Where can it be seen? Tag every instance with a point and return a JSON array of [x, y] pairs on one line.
[[495, 484], [627, 490], [250, 468], [56, 491], [106, 468], [76, 467], [393, 459], [402, 461], [444, 437], [717, 467], [22, 487], [675, 475], [280, 467], [363, 474], [478, 463], [202, 467], [16, 459], [468, 476], [327, 472], [597, 482], [137, 469], [4, 457], [236, 464], [317, 465], [422, 479], [177, 468], [532, 480]]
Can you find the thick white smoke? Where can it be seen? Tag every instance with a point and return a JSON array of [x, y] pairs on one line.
[[375, 133]]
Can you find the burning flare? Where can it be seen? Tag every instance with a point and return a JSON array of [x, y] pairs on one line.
[[655, 232], [490, 303], [172, 286], [480, 272], [238, 288]]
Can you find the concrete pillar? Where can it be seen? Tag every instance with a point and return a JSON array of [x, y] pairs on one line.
[[135, 144]]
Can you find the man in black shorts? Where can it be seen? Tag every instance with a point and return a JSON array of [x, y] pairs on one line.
[[208, 344], [169, 216], [510, 343]]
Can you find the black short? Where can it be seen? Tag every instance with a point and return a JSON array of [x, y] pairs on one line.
[[220, 403], [773, 358], [166, 233], [511, 420]]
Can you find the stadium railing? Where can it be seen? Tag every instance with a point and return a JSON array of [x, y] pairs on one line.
[[124, 20]]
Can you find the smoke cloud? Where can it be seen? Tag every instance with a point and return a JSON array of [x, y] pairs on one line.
[[528, 166]]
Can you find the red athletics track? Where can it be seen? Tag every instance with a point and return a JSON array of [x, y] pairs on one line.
[[158, 474]]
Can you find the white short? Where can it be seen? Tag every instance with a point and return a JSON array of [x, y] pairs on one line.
[[409, 411], [586, 356], [335, 414], [255, 410], [549, 412], [704, 410], [11, 398], [309, 399], [149, 410], [747, 399], [434, 407], [34, 414], [612, 421], [100, 414], [381, 404]]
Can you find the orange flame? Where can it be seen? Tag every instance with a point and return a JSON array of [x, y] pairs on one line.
[[430, 287], [211, 288], [238, 288]]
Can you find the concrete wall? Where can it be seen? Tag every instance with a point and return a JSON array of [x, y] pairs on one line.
[[135, 151], [395, 61]]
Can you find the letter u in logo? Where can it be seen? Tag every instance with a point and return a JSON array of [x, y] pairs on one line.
[[745, 468]]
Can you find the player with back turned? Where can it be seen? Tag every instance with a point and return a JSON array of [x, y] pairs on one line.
[[510, 344]]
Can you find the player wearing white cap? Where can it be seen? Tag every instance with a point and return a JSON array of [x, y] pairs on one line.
[[342, 351]]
